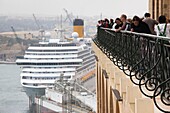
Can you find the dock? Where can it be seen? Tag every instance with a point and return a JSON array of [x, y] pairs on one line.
[[7, 62]]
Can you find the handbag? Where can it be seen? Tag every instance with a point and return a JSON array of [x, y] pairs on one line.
[[162, 33]]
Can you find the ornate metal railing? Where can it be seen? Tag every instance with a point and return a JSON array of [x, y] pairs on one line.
[[144, 58]]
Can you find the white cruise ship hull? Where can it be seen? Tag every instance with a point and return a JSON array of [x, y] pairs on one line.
[[34, 92]]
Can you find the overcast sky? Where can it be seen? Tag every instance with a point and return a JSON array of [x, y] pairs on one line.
[[110, 8]]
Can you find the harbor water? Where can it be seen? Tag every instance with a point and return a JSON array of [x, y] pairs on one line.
[[12, 97]]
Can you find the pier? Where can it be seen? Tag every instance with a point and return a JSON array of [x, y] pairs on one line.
[[132, 72], [6, 62]]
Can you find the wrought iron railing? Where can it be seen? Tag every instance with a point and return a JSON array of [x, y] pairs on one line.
[[144, 58]]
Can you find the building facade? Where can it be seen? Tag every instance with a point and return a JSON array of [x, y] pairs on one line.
[[159, 7]]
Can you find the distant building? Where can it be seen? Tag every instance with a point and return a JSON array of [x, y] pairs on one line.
[[159, 7]]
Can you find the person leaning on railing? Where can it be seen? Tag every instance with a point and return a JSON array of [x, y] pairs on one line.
[[118, 23], [125, 24], [163, 28], [151, 22], [139, 26], [100, 23], [111, 23]]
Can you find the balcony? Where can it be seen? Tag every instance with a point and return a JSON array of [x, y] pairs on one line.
[[143, 58]]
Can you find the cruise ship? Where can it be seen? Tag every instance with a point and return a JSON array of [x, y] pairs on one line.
[[45, 62]]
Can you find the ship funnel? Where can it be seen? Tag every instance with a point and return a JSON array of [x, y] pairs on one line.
[[78, 26]]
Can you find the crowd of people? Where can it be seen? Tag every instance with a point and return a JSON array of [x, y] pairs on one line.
[[160, 27]]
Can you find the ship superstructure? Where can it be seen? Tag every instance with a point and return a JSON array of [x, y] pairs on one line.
[[44, 63]]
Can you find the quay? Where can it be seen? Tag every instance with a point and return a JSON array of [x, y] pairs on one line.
[[6, 62]]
